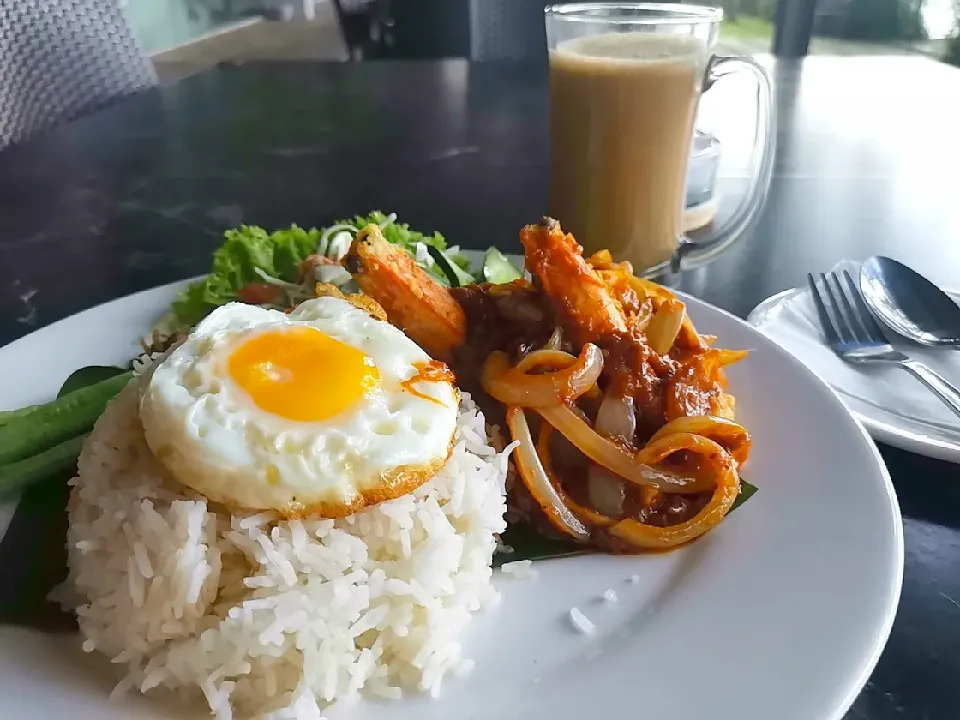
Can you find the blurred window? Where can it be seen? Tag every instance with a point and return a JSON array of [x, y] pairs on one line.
[[843, 27]]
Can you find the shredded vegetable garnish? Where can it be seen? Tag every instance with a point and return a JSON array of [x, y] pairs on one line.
[[328, 233], [293, 261]]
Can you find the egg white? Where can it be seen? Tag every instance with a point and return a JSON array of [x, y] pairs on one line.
[[208, 432]]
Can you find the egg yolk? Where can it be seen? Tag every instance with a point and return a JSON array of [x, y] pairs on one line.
[[301, 373]]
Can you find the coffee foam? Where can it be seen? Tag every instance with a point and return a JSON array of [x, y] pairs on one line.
[[634, 47]]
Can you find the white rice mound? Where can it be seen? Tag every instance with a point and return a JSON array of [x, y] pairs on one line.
[[277, 618]]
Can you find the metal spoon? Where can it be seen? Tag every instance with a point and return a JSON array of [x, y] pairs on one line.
[[909, 304]]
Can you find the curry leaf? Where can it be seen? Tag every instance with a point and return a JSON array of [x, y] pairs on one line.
[[528, 544]]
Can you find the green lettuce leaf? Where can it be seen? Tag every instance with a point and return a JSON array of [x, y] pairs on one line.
[[235, 265]]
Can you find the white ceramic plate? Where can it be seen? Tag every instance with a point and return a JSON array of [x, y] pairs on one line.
[[883, 424], [780, 613]]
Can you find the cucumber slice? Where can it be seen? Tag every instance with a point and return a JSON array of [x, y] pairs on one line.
[[455, 274], [497, 269]]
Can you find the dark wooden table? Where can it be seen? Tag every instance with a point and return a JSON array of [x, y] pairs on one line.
[[139, 194]]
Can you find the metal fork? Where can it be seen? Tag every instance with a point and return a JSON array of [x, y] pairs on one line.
[[854, 335]]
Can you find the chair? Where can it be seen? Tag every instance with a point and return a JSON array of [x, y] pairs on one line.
[[422, 29], [359, 25], [60, 59]]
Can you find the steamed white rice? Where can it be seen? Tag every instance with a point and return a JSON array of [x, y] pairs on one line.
[[278, 618]]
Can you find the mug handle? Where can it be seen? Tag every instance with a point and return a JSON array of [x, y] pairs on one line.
[[692, 254]]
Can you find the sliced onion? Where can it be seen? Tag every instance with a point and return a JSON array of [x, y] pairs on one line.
[[606, 491], [729, 435], [688, 333], [636, 466], [553, 359], [664, 326], [556, 340], [535, 478], [324, 243], [515, 388], [586, 515], [651, 537], [332, 274], [339, 245], [615, 418]]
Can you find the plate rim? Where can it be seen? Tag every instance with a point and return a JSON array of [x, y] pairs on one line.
[[889, 433], [868, 662]]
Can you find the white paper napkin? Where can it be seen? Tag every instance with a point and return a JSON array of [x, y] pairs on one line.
[[794, 324]]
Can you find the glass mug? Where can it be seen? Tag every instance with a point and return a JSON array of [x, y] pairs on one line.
[[625, 83]]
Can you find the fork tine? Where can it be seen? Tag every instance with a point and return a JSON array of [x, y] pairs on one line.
[[848, 313], [842, 323], [862, 312], [826, 322]]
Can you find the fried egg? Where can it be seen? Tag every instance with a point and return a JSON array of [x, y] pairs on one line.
[[321, 411]]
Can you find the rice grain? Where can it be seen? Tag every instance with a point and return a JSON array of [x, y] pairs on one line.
[[274, 618]]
